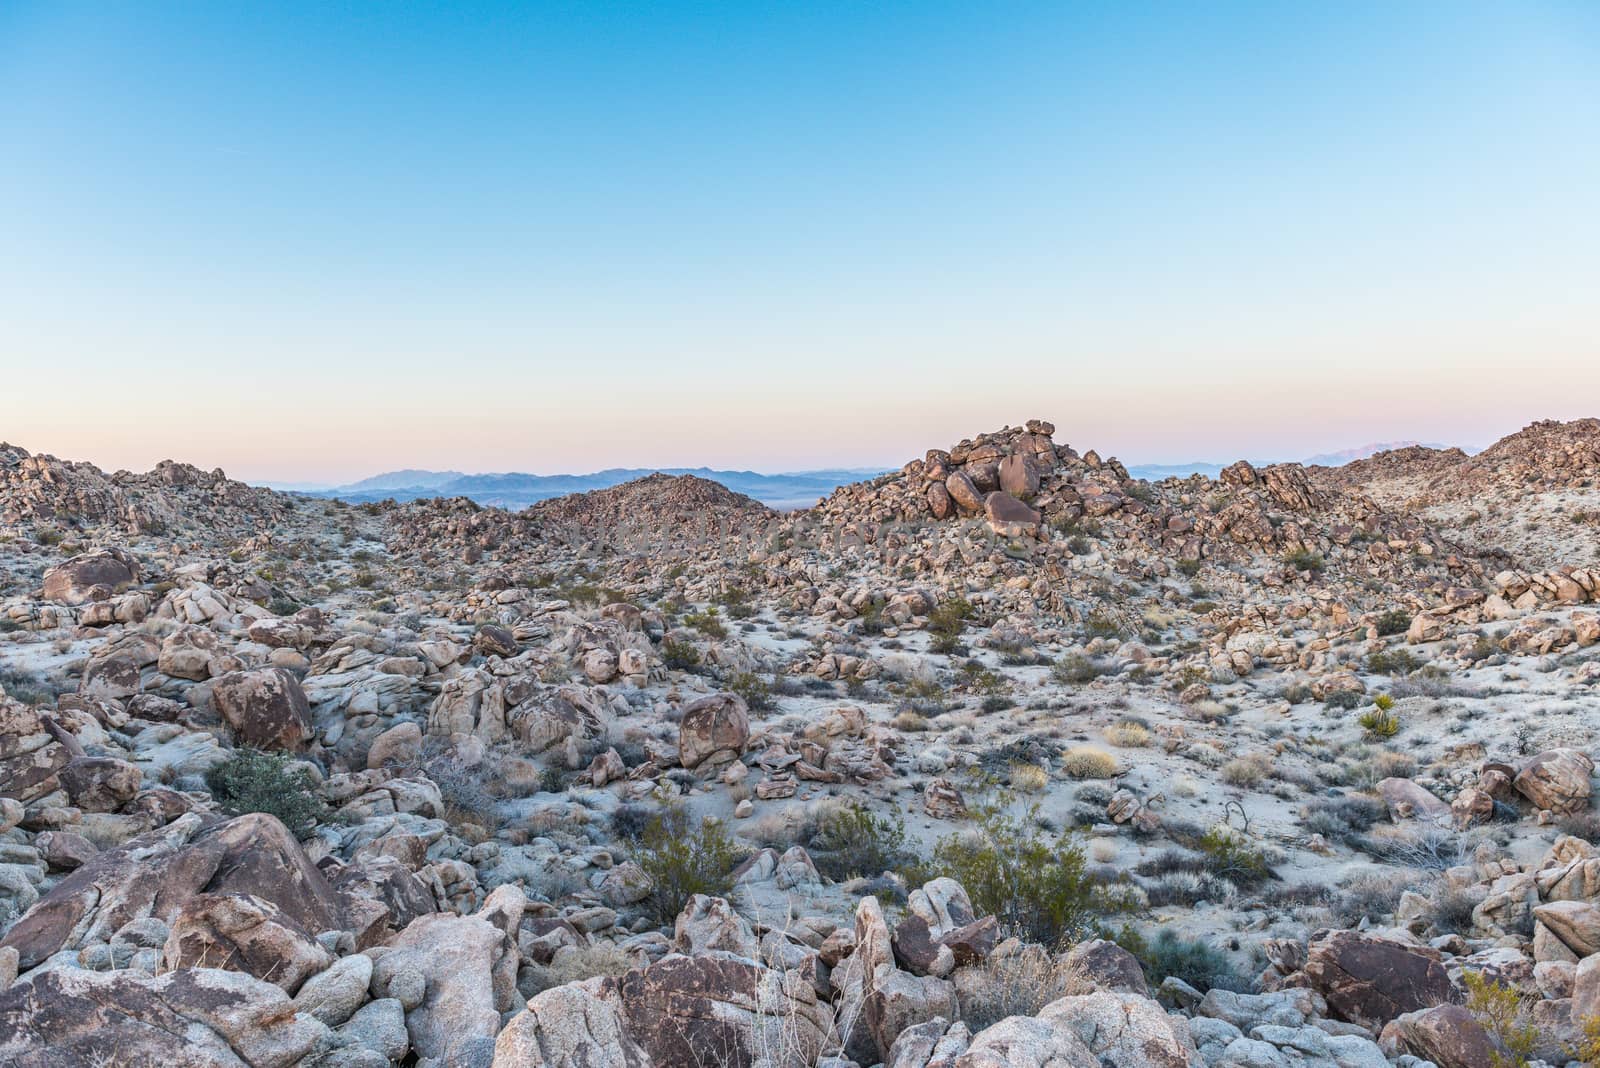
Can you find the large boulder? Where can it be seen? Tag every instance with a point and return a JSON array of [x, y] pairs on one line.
[[100, 784], [715, 1008], [266, 708], [1009, 517], [34, 747], [884, 999], [1406, 799], [157, 873], [715, 725], [1369, 980], [1448, 1035], [92, 576], [1125, 1030], [243, 933], [469, 964], [1575, 923], [195, 1018], [1557, 779], [190, 653]]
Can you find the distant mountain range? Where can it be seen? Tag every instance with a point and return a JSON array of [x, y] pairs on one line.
[[792, 489], [514, 490]]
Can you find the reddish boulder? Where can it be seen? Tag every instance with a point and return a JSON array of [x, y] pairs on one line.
[[266, 708], [91, 577], [716, 724], [1369, 980]]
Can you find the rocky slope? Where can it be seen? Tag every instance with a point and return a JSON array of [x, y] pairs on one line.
[[1532, 499], [1004, 758]]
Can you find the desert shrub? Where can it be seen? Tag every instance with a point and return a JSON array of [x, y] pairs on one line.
[[1129, 734], [684, 857], [1035, 883], [1392, 662], [1100, 625], [755, 690], [573, 965], [1230, 857], [1370, 897], [1246, 770], [1017, 983], [910, 721], [1075, 669], [1394, 621], [947, 622], [1187, 888], [253, 781], [29, 687], [1587, 1050], [1297, 694], [1304, 560], [707, 623], [995, 703], [465, 792], [1028, 778], [679, 656], [1505, 1012], [1188, 568], [1342, 700], [1450, 908], [1083, 762], [1194, 961], [1379, 723], [1384, 702], [851, 842]]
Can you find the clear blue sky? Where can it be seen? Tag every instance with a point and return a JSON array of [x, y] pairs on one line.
[[320, 240]]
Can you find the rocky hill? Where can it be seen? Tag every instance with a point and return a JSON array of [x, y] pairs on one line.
[[1003, 758], [1532, 498]]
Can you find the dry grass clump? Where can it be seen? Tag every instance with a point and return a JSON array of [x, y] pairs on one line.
[[1083, 762], [910, 722], [1017, 983], [1246, 770], [574, 964], [1029, 778], [1128, 734]]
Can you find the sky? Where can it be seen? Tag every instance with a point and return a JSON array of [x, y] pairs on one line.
[[318, 241]]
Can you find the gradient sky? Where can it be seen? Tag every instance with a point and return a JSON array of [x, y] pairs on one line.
[[316, 241]]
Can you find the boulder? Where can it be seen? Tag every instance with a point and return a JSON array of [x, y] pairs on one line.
[[243, 933], [1448, 1035], [266, 708], [1575, 923], [156, 873], [1009, 517], [1557, 780], [100, 784], [196, 1018], [718, 724], [1407, 800], [469, 964], [189, 653], [1369, 980], [93, 576]]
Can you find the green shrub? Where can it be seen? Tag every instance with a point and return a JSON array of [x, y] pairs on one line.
[[707, 623], [679, 656], [851, 843], [1304, 560], [1036, 884], [755, 690], [1188, 568], [1506, 1014], [1392, 662], [1394, 621], [253, 781], [947, 622], [1379, 723], [684, 857], [1232, 858], [1075, 668], [1197, 963]]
